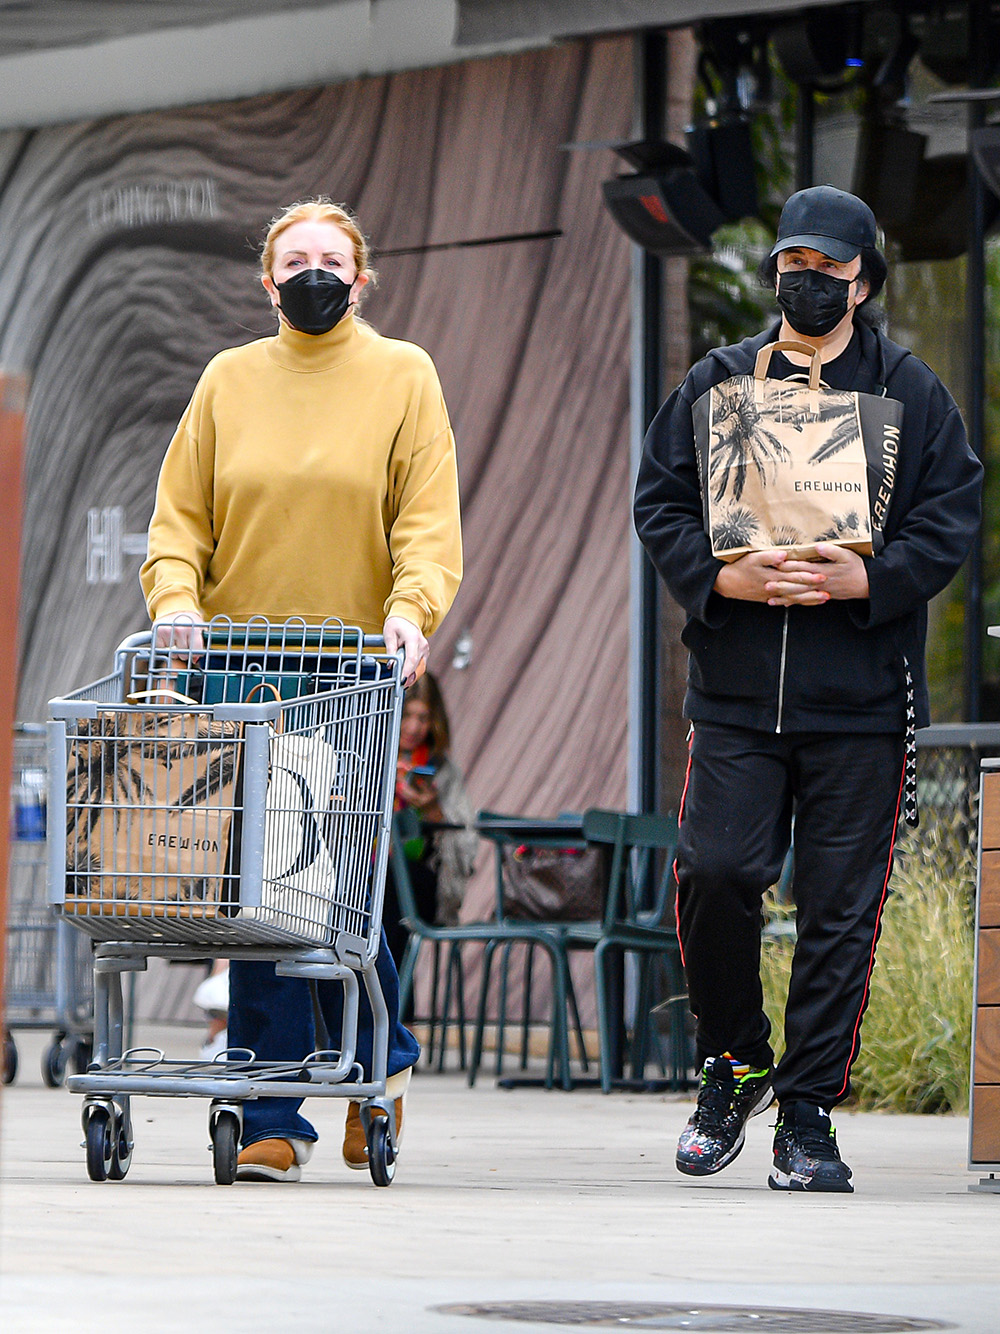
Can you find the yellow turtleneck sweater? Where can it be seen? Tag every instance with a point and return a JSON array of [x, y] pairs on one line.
[[314, 476]]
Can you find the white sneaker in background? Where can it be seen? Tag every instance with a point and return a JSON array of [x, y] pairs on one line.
[[214, 1046]]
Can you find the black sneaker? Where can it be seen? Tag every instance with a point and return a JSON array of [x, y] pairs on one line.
[[728, 1097], [806, 1156]]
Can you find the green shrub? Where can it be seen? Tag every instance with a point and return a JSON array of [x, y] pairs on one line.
[[915, 1040]]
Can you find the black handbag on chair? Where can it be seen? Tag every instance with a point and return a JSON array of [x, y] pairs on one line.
[[553, 884]]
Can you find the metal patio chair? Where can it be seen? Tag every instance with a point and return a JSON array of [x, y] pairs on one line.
[[490, 935], [643, 929]]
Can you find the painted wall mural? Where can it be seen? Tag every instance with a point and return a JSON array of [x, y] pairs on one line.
[[127, 259]]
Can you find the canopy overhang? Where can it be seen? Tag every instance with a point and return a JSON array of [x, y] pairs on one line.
[[483, 21]]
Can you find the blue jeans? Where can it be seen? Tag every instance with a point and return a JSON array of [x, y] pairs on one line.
[[273, 1016]]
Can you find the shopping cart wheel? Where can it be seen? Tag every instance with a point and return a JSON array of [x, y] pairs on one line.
[[100, 1144], [381, 1159], [54, 1061], [9, 1072], [121, 1151], [225, 1138]]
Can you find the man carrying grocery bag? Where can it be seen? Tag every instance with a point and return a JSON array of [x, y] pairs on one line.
[[802, 503]]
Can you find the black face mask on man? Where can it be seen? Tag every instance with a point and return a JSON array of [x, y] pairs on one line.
[[814, 303], [314, 300]]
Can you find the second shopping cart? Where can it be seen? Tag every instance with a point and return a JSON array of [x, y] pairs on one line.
[[47, 982]]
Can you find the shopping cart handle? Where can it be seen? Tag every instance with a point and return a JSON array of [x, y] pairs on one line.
[[69, 709], [174, 696]]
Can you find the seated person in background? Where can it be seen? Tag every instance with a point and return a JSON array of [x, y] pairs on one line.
[[429, 781]]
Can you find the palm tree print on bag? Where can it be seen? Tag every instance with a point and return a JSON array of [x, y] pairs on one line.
[[149, 806], [845, 526], [739, 440], [797, 412], [843, 424], [837, 413], [735, 527], [786, 466], [787, 537]]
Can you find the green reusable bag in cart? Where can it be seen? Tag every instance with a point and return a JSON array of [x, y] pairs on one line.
[[233, 668]]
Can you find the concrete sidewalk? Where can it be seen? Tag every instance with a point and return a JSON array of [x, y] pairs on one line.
[[500, 1196]]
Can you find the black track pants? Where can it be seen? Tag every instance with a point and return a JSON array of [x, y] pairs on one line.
[[741, 791]]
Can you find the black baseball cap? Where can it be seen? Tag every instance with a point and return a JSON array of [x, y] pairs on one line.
[[831, 221]]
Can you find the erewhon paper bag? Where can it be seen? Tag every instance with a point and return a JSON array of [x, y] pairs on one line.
[[786, 464]]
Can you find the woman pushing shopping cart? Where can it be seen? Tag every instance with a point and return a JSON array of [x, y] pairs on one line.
[[313, 473]]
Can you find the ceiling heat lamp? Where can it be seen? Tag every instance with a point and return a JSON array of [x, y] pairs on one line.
[[662, 206]]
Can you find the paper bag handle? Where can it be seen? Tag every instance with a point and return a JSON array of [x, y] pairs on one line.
[[263, 685], [279, 726], [167, 693], [789, 345]]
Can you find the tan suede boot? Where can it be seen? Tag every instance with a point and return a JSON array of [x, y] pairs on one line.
[[273, 1160]]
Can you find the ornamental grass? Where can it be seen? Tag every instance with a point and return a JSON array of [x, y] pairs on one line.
[[916, 1036]]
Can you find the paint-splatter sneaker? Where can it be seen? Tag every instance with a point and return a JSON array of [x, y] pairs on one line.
[[729, 1095], [806, 1156]]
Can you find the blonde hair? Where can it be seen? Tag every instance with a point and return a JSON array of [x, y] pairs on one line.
[[320, 209]]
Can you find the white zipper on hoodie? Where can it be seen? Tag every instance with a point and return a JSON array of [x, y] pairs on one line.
[[781, 670]]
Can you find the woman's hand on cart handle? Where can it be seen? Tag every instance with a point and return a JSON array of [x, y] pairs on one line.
[[179, 629], [400, 633]]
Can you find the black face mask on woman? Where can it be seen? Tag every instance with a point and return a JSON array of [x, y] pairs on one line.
[[813, 302], [314, 300]]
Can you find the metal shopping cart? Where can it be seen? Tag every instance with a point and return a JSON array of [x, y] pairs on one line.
[[232, 800], [48, 971]]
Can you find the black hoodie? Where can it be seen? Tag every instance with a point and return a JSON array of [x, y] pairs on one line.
[[838, 666]]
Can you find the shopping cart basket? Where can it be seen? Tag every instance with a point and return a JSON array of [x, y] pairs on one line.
[[48, 980], [233, 801]]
